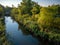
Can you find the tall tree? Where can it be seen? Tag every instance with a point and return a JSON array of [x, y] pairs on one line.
[[26, 6], [35, 8]]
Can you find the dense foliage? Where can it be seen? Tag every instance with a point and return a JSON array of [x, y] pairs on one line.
[[1, 11], [3, 40], [40, 20]]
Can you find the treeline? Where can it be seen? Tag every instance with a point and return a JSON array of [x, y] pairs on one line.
[[39, 20], [3, 39], [4, 10]]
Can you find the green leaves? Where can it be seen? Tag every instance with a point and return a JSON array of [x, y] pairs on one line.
[[35, 8], [1, 11], [26, 7]]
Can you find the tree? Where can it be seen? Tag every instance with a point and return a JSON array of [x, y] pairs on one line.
[[56, 9], [1, 11], [25, 7], [35, 8], [57, 22], [47, 17]]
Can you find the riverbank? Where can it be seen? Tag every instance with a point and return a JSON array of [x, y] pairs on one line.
[[44, 23], [42, 35]]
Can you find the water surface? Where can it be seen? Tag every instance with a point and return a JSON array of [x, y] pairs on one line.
[[16, 36]]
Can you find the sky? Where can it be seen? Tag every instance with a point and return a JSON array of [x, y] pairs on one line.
[[40, 2]]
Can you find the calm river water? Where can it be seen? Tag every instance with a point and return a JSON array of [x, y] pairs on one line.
[[16, 36]]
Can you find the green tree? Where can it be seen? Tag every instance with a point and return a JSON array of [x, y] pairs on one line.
[[36, 8], [15, 11], [25, 7], [47, 17], [1, 11]]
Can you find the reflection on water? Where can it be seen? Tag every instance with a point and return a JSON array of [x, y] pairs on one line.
[[18, 36]]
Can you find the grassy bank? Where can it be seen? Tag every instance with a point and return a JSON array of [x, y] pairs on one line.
[[41, 21], [32, 26]]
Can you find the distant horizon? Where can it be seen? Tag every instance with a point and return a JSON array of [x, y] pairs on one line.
[[40, 2]]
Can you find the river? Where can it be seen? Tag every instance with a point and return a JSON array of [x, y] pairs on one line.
[[16, 36]]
